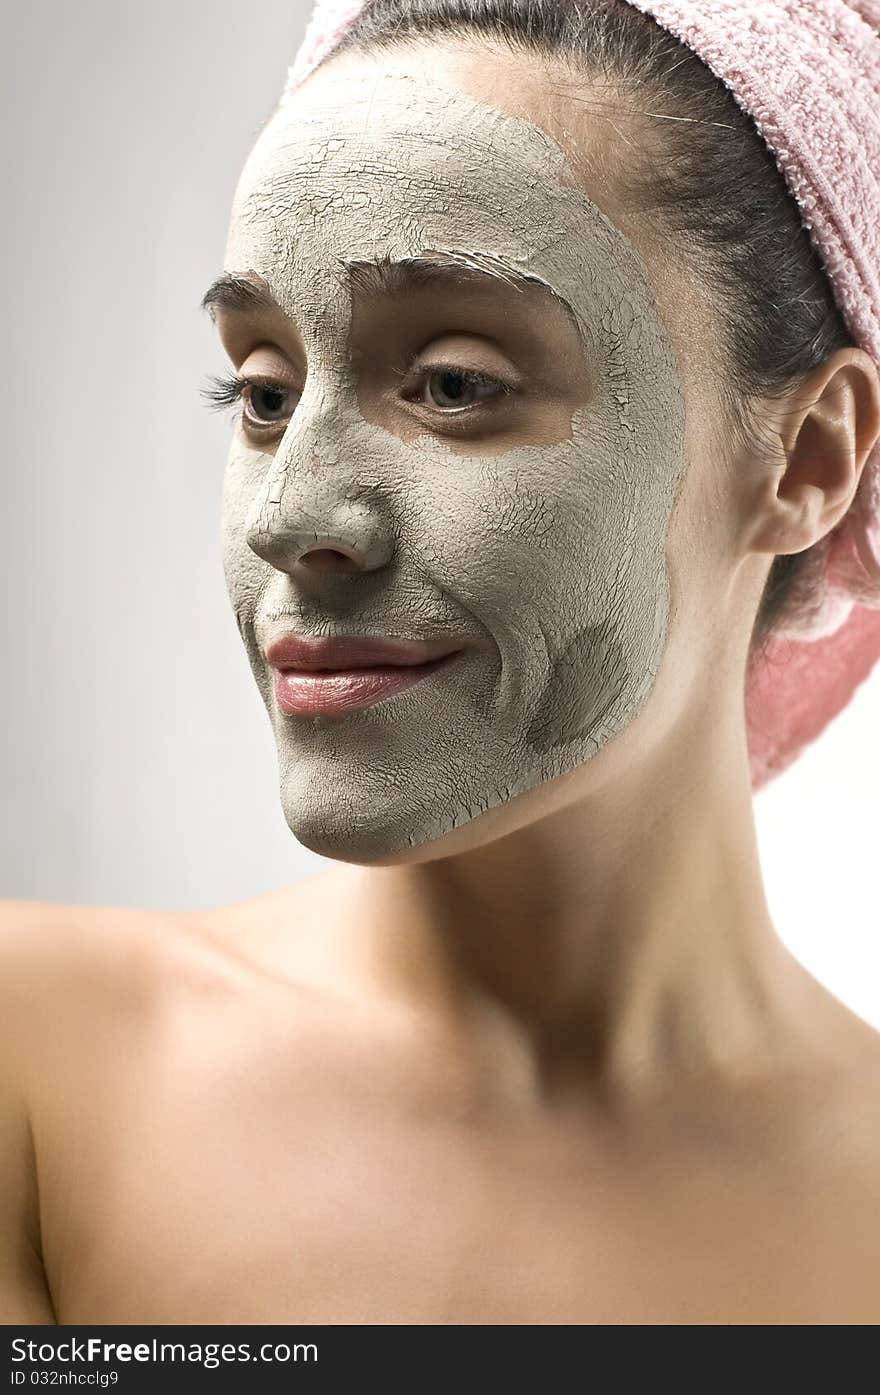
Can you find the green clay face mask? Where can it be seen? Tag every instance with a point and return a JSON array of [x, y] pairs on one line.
[[539, 542]]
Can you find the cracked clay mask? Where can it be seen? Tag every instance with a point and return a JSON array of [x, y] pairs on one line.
[[544, 549]]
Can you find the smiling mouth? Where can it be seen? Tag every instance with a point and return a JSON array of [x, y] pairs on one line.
[[324, 692]]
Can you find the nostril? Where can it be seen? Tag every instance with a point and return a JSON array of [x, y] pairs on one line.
[[328, 559]]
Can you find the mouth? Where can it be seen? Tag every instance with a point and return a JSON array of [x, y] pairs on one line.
[[341, 652], [323, 692]]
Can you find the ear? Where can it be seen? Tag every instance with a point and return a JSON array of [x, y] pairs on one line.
[[826, 428]]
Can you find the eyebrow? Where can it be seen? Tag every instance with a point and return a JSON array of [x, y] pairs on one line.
[[391, 277], [237, 294]]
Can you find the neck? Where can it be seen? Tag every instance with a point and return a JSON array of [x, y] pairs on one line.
[[624, 937]]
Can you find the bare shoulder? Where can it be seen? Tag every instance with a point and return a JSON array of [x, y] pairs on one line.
[[865, 1097], [78, 980], [83, 991], [69, 965], [50, 941], [37, 935], [58, 965], [841, 1115]]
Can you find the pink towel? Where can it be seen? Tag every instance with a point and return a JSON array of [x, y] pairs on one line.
[[808, 73]]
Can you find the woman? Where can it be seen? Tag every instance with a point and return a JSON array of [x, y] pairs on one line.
[[551, 429]]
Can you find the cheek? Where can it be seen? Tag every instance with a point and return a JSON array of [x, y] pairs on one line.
[[538, 542], [244, 571], [588, 680], [550, 552]]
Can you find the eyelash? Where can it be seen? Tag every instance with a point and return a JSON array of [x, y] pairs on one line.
[[229, 389]]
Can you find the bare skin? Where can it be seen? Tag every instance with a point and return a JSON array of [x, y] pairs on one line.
[[232, 1127], [556, 1067]]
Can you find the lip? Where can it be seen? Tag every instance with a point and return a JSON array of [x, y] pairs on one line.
[[341, 674], [342, 652]]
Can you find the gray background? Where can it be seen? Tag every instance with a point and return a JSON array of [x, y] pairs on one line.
[[138, 758]]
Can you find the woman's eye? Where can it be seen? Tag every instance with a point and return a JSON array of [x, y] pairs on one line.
[[263, 403], [266, 404], [451, 388]]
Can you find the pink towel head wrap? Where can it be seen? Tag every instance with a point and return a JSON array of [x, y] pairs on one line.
[[808, 74]]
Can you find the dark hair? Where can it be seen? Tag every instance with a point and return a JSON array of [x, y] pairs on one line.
[[714, 190]]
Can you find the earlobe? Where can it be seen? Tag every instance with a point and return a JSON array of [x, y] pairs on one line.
[[827, 429]]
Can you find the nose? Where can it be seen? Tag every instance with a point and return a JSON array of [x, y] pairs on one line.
[[313, 511], [349, 537], [329, 559]]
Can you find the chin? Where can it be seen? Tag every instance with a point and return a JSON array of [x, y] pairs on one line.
[[385, 826], [361, 825]]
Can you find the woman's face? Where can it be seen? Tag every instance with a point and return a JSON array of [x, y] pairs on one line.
[[375, 492]]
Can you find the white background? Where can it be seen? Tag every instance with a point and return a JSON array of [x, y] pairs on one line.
[[138, 759]]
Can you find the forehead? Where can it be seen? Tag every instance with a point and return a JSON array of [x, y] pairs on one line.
[[367, 163]]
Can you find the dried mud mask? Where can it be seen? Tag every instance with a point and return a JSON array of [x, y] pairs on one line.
[[542, 549]]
